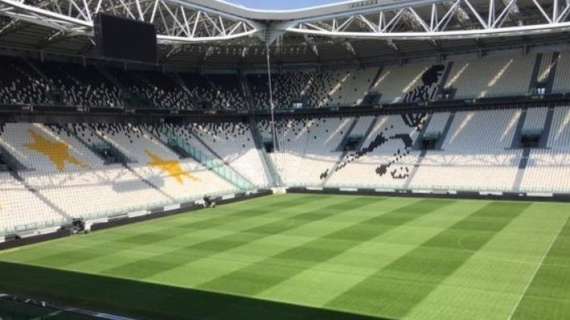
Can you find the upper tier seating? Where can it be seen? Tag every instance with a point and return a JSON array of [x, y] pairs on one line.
[[395, 82], [161, 90], [491, 76], [81, 85], [227, 92], [562, 75], [466, 77], [217, 92], [20, 84], [351, 87], [546, 66], [311, 88]]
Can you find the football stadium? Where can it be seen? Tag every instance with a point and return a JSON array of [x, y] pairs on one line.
[[207, 159]]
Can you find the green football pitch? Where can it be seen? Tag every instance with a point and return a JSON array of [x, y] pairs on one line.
[[314, 257]]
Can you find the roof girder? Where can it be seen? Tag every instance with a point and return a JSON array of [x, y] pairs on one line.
[[176, 21], [433, 20]]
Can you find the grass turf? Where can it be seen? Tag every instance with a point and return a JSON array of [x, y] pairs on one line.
[[315, 257]]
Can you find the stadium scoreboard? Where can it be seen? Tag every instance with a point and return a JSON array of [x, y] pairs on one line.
[[125, 39]]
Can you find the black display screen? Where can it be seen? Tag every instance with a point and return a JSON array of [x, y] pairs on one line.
[[125, 39]]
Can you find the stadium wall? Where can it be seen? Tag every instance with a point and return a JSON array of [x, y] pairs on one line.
[[507, 196]]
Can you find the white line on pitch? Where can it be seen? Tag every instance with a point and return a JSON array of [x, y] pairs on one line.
[[516, 306]]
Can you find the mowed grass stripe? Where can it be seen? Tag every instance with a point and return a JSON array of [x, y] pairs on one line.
[[230, 215], [269, 272], [241, 215], [116, 253], [66, 257], [95, 242], [331, 278], [548, 296], [144, 268], [395, 289], [223, 263], [141, 300], [491, 282]]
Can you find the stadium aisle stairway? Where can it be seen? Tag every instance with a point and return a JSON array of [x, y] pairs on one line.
[[232, 143]]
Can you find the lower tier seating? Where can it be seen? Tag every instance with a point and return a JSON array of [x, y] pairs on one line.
[[21, 209], [57, 174], [96, 193], [474, 152]]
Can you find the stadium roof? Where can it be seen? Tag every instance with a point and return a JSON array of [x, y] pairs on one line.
[[289, 5], [218, 32], [341, 7]]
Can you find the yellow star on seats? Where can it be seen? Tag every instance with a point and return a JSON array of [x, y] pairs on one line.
[[57, 152], [170, 167]]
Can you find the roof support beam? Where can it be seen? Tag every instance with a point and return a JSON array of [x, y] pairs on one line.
[[176, 21], [435, 20], [12, 26], [180, 22], [52, 39]]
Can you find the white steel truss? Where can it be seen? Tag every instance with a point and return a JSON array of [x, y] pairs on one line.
[[176, 21], [185, 21], [437, 19]]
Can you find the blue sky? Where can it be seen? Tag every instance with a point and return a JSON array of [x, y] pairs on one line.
[[281, 4]]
